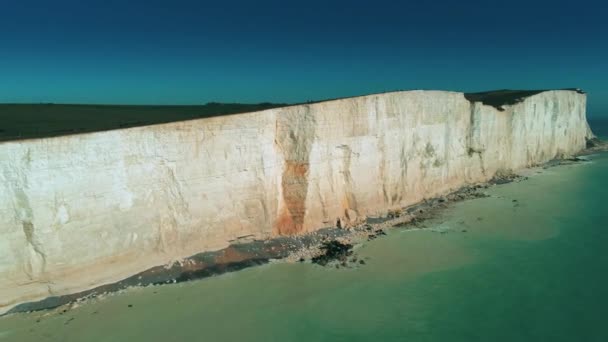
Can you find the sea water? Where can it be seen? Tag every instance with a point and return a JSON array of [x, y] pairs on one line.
[[528, 263]]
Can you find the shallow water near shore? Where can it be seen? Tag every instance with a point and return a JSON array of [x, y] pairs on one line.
[[526, 264]]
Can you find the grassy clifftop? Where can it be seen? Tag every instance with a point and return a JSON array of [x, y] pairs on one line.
[[504, 97], [26, 121]]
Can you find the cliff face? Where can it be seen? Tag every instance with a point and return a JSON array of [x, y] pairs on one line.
[[84, 210]]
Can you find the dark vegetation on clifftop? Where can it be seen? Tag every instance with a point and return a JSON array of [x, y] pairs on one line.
[[27, 121], [505, 97]]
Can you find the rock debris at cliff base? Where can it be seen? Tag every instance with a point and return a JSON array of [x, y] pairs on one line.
[[329, 247]]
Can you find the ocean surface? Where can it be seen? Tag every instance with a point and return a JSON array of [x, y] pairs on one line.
[[529, 263]]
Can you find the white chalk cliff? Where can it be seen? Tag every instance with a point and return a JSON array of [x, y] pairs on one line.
[[84, 210]]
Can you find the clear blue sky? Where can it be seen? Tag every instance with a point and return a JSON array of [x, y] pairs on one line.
[[190, 52]]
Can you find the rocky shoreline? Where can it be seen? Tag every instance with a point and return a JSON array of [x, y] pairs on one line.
[[330, 247]]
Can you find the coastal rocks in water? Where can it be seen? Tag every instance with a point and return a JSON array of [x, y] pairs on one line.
[[375, 234], [506, 177], [577, 159], [565, 161], [468, 192], [593, 142], [333, 251]]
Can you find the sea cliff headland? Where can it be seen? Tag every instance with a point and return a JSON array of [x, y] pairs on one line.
[[87, 210]]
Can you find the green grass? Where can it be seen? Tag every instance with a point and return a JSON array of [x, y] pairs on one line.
[[499, 98], [26, 121]]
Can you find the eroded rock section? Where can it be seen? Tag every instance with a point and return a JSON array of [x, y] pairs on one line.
[[80, 211]]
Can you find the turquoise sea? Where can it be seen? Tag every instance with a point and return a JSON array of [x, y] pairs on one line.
[[529, 263]]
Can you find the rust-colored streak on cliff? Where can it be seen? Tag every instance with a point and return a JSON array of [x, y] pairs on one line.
[[295, 133], [295, 189]]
